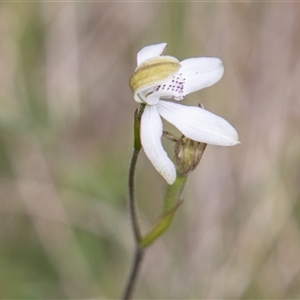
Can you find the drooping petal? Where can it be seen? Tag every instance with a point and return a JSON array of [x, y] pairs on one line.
[[199, 124], [200, 73], [150, 52], [151, 132]]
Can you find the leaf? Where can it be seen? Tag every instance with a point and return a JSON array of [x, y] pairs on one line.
[[160, 227]]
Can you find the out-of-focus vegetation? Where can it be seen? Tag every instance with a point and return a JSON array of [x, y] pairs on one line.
[[66, 115]]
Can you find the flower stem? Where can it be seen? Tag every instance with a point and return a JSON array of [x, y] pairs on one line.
[[137, 148], [173, 193], [139, 252], [138, 257], [132, 202]]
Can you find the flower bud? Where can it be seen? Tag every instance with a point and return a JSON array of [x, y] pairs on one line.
[[188, 154]]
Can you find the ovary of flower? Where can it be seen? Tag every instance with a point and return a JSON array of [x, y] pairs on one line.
[[158, 78]]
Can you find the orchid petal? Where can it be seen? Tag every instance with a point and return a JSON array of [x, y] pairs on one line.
[[151, 132], [198, 124], [200, 73], [150, 52]]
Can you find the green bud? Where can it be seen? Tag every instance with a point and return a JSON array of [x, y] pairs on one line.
[[188, 154]]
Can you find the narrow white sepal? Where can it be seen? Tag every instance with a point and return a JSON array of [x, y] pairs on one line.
[[200, 73], [151, 132], [199, 124], [150, 52]]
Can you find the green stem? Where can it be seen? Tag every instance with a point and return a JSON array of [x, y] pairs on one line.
[[139, 252], [132, 202], [137, 148], [138, 257], [173, 193]]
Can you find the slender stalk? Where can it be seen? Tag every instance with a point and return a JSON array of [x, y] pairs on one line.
[[132, 202], [139, 252], [137, 148], [138, 257]]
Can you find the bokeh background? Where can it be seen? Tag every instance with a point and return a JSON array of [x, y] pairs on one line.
[[66, 117]]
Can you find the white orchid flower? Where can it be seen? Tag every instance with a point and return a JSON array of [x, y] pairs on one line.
[[160, 77]]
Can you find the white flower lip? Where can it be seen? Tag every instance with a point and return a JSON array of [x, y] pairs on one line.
[[151, 75], [194, 122]]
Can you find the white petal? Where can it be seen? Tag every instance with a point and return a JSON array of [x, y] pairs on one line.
[[150, 51], [200, 72], [151, 132], [199, 124]]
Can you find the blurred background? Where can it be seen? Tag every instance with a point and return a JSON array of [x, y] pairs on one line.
[[66, 133]]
